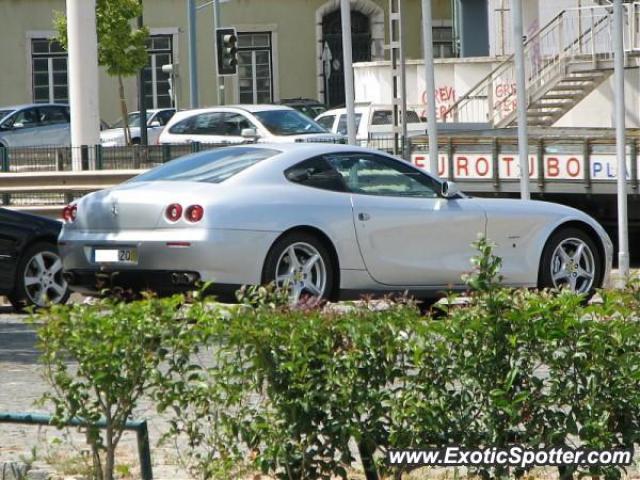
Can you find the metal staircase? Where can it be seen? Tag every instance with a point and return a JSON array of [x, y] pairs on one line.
[[565, 61]]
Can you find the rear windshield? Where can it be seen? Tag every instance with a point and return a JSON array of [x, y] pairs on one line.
[[214, 166]]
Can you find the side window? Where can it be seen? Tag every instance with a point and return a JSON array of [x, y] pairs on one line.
[[52, 115], [382, 117], [342, 123], [26, 118], [317, 173], [164, 116], [234, 123], [202, 124], [371, 174], [412, 117], [327, 122]]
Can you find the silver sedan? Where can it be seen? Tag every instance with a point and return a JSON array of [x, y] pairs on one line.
[[330, 221]]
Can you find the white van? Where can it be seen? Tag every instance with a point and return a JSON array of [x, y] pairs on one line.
[[371, 121]]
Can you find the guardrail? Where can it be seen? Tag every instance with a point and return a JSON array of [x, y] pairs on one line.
[[561, 163]]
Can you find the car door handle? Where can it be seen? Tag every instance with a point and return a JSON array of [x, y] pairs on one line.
[[363, 217]]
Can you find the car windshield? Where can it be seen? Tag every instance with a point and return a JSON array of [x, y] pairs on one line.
[[214, 166], [134, 121], [288, 122]]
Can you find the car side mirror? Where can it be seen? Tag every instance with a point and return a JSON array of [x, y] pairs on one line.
[[450, 189], [155, 123], [250, 133], [18, 125]]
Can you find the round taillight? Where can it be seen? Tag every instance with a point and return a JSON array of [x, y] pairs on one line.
[[194, 213], [174, 212], [69, 213]]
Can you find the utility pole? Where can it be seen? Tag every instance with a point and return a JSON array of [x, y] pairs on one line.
[[521, 92], [83, 77], [142, 106], [623, 221], [398, 77], [430, 82], [193, 53], [345, 11]]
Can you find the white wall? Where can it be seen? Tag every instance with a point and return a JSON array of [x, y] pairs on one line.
[[454, 78], [597, 109]]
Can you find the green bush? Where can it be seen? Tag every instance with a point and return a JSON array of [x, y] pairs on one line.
[[100, 359], [292, 391], [289, 389], [296, 392]]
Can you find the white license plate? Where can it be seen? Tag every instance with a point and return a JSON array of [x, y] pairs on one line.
[[121, 255]]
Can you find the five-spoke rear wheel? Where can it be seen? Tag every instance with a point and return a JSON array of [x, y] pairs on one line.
[[571, 260], [302, 264]]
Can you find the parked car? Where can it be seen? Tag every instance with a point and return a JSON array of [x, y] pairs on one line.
[[30, 266], [41, 124], [311, 108], [156, 121], [326, 220], [244, 123], [371, 121]]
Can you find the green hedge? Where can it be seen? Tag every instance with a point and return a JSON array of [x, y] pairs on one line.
[[297, 392]]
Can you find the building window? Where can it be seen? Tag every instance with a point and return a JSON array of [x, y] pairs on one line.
[[443, 42], [157, 84], [49, 71], [255, 72]]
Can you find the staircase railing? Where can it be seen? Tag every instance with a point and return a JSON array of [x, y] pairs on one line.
[[578, 33]]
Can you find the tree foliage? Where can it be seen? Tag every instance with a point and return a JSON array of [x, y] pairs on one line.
[[122, 50]]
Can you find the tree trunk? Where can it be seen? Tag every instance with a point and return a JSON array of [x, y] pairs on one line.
[[110, 454], [125, 113], [368, 462]]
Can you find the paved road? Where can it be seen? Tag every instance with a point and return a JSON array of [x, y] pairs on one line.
[[21, 385]]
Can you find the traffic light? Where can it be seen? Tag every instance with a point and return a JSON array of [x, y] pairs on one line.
[[227, 46]]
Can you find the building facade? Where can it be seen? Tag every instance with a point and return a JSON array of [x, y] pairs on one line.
[[287, 49]]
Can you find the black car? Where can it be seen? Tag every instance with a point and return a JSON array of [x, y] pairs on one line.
[[30, 267]]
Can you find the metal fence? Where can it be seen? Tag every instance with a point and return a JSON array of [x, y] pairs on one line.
[[61, 159], [38, 179]]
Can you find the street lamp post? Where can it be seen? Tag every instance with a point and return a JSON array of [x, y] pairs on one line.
[[345, 11], [432, 126], [623, 226], [83, 77], [193, 53], [142, 106], [521, 93]]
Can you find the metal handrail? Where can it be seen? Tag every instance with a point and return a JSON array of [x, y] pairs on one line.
[[541, 70], [140, 427]]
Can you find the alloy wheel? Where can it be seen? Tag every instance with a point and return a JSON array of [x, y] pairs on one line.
[[302, 270], [43, 282], [573, 266]]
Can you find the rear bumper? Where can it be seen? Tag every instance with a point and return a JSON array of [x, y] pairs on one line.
[[94, 282], [162, 282], [219, 256]]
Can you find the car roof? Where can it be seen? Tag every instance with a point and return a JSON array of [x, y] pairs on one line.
[[153, 110], [28, 105], [231, 108]]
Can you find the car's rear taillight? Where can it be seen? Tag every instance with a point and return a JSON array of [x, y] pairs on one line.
[[173, 212], [194, 213], [69, 213]]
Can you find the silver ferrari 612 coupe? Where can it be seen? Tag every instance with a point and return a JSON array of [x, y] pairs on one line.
[[325, 220]]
